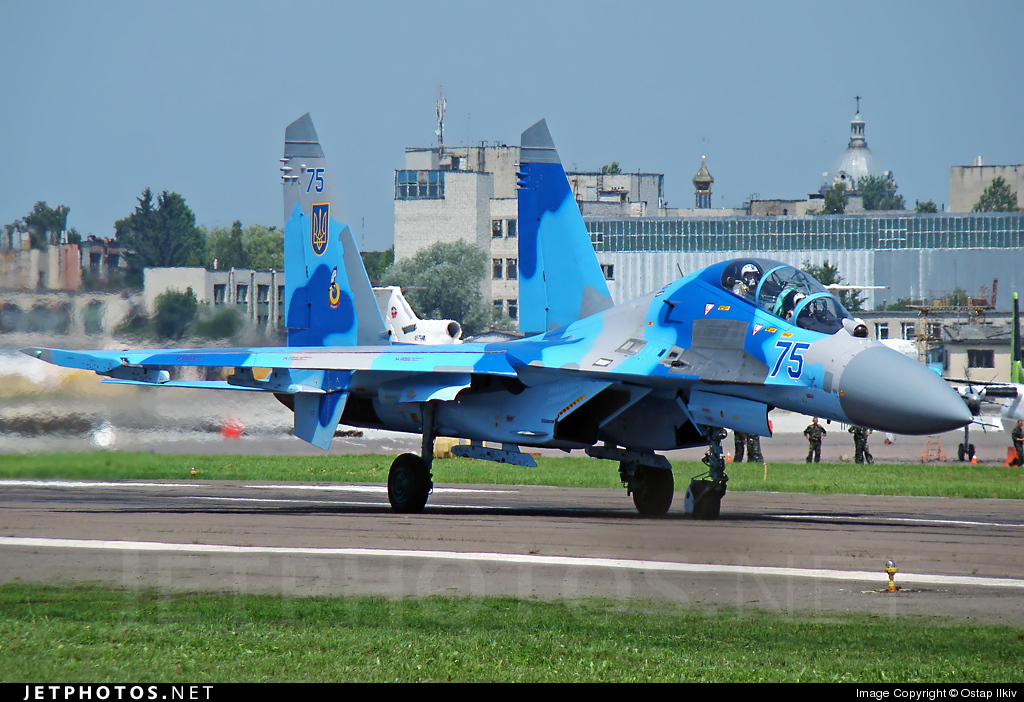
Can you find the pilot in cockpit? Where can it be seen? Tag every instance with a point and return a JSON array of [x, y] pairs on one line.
[[749, 277], [787, 302]]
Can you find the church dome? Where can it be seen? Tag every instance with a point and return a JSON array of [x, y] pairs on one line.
[[856, 162]]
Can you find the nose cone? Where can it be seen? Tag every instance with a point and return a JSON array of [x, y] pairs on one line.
[[887, 391]]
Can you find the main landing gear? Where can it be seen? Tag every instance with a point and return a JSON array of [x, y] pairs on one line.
[[409, 480], [704, 496], [647, 477], [650, 487]]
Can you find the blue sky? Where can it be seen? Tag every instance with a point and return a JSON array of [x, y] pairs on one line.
[[102, 99]]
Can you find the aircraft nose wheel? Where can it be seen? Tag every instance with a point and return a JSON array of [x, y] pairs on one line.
[[965, 452], [704, 498], [409, 484]]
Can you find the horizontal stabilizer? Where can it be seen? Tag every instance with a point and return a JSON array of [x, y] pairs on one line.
[[317, 417]]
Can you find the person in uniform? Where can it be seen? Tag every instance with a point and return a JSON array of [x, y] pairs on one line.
[[754, 449], [860, 444], [1018, 443], [814, 433], [741, 443]]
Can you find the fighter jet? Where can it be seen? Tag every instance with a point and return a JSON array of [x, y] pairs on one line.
[[673, 369]]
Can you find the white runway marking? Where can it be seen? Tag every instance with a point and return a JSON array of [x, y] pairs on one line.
[[379, 489], [901, 520], [516, 558]]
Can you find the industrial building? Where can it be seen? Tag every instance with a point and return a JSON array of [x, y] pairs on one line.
[[915, 256]]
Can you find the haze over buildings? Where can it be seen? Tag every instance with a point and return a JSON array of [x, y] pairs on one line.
[[104, 99]]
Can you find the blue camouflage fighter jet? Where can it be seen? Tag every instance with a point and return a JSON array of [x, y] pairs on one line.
[[715, 350]]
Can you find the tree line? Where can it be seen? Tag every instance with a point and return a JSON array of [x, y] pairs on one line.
[[879, 193], [444, 280]]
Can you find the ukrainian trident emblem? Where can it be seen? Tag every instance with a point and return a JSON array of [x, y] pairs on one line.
[[318, 227]]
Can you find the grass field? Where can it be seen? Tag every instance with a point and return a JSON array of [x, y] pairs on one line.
[[84, 633], [962, 480], [71, 634]]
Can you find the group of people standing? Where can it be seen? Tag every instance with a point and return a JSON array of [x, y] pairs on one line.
[[750, 444], [815, 433]]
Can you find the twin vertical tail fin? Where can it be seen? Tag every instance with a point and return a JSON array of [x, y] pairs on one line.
[[328, 298], [560, 279]]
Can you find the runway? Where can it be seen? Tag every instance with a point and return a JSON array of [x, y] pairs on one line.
[[788, 552]]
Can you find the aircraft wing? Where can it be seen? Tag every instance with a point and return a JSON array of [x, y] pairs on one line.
[[318, 380], [116, 364]]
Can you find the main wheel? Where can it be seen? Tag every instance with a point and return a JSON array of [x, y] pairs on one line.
[[652, 490], [409, 484]]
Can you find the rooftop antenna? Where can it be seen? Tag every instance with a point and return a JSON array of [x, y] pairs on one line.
[[441, 105]]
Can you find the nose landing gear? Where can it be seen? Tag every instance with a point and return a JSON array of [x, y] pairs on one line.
[[704, 496]]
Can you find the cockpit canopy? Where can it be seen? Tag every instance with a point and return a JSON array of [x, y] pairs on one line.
[[786, 292]]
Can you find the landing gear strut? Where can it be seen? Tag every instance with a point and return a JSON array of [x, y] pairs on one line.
[[651, 488], [704, 496], [410, 480], [965, 451]]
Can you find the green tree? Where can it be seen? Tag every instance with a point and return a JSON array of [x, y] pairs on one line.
[[927, 207], [879, 193], [827, 274], [612, 169], [997, 197], [376, 262], [224, 323], [253, 246], [44, 224], [443, 282], [175, 312], [902, 304], [227, 247], [164, 235], [836, 200], [957, 298], [264, 246]]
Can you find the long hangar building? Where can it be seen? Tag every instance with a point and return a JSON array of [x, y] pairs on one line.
[[916, 256], [446, 193]]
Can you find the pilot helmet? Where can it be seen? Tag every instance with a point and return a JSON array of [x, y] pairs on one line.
[[750, 274]]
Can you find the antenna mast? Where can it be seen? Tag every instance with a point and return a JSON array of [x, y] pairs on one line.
[[441, 105]]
